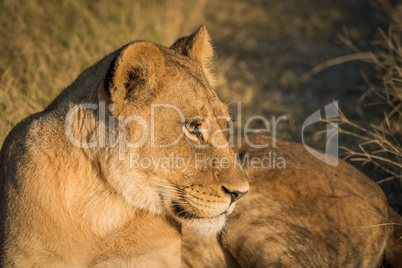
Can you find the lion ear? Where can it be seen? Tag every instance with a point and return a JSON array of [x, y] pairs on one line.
[[198, 47], [134, 73]]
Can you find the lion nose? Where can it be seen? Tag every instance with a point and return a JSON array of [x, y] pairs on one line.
[[234, 195]]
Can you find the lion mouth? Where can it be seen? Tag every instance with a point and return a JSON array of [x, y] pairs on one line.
[[183, 213], [204, 226]]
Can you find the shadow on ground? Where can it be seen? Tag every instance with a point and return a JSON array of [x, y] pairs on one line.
[[265, 47]]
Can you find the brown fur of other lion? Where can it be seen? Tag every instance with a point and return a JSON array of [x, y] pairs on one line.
[[308, 214]]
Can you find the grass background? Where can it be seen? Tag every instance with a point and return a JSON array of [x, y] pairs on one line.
[[263, 49]]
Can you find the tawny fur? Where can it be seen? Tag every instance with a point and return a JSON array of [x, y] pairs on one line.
[[70, 196], [306, 215]]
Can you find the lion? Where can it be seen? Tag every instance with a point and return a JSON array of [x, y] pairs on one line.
[[123, 169], [109, 173], [307, 214]]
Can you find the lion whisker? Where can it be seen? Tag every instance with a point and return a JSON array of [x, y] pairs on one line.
[[378, 225]]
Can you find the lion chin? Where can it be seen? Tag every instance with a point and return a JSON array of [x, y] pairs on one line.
[[205, 226]]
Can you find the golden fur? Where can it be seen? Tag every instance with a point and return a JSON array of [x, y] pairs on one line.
[[308, 214], [72, 198], [70, 194]]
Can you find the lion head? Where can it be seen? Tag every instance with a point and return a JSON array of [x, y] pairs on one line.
[[169, 152]]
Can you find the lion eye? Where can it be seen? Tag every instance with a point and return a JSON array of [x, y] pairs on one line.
[[192, 128]]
